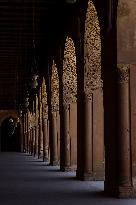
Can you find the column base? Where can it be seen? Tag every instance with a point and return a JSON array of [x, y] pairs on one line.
[[122, 191], [125, 192], [45, 159], [66, 169], [54, 163], [34, 151], [90, 176]]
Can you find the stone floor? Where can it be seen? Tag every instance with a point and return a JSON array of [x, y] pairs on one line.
[[25, 180]]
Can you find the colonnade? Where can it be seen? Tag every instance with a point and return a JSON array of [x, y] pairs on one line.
[[85, 119]]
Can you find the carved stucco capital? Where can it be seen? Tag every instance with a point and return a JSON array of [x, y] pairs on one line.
[[45, 120], [55, 108], [54, 114], [45, 111], [123, 8], [88, 96], [66, 106], [123, 71]]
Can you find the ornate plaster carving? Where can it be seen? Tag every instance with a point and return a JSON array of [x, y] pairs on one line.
[[40, 105], [92, 51], [69, 72], [54, 88], [123, 72], [44, 100]]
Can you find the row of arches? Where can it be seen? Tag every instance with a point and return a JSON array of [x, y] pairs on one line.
[[65, 125], [87, 124], [80, 116]]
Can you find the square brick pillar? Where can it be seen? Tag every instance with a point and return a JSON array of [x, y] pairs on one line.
[[90, 138], [53, 140], [65, 140], [133, 121], [118, 181], [45, 140]]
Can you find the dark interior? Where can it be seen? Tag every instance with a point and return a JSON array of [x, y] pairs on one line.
[[10, 135]]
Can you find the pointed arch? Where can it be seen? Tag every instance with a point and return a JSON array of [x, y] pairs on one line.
[[90, 103], [69, 72], [45, 121], [92, 50], [54, 88], [70, 104], [44, 99]]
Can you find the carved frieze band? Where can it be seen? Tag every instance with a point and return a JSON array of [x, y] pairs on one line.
[[69, 72], [92, 51], [123, 73]]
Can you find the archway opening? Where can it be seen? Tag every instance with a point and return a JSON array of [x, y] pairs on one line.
[[10, 135]]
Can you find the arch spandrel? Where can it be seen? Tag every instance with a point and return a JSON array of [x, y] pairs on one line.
[[92, 50], [54, 88], [69, 72]]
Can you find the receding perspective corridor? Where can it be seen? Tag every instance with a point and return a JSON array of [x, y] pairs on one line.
[[67, 102], [25, 180]]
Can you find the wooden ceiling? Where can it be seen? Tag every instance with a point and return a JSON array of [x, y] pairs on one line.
[[18, 28]]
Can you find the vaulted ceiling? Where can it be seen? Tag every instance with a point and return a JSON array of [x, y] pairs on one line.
[[21, 21]]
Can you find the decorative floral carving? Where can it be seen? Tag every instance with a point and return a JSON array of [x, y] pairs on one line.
[[92, 50], [54, 88], [69, 72], [123, 72]]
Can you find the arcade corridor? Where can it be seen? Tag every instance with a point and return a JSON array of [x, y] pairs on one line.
[[67, 97], [25, 180]]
